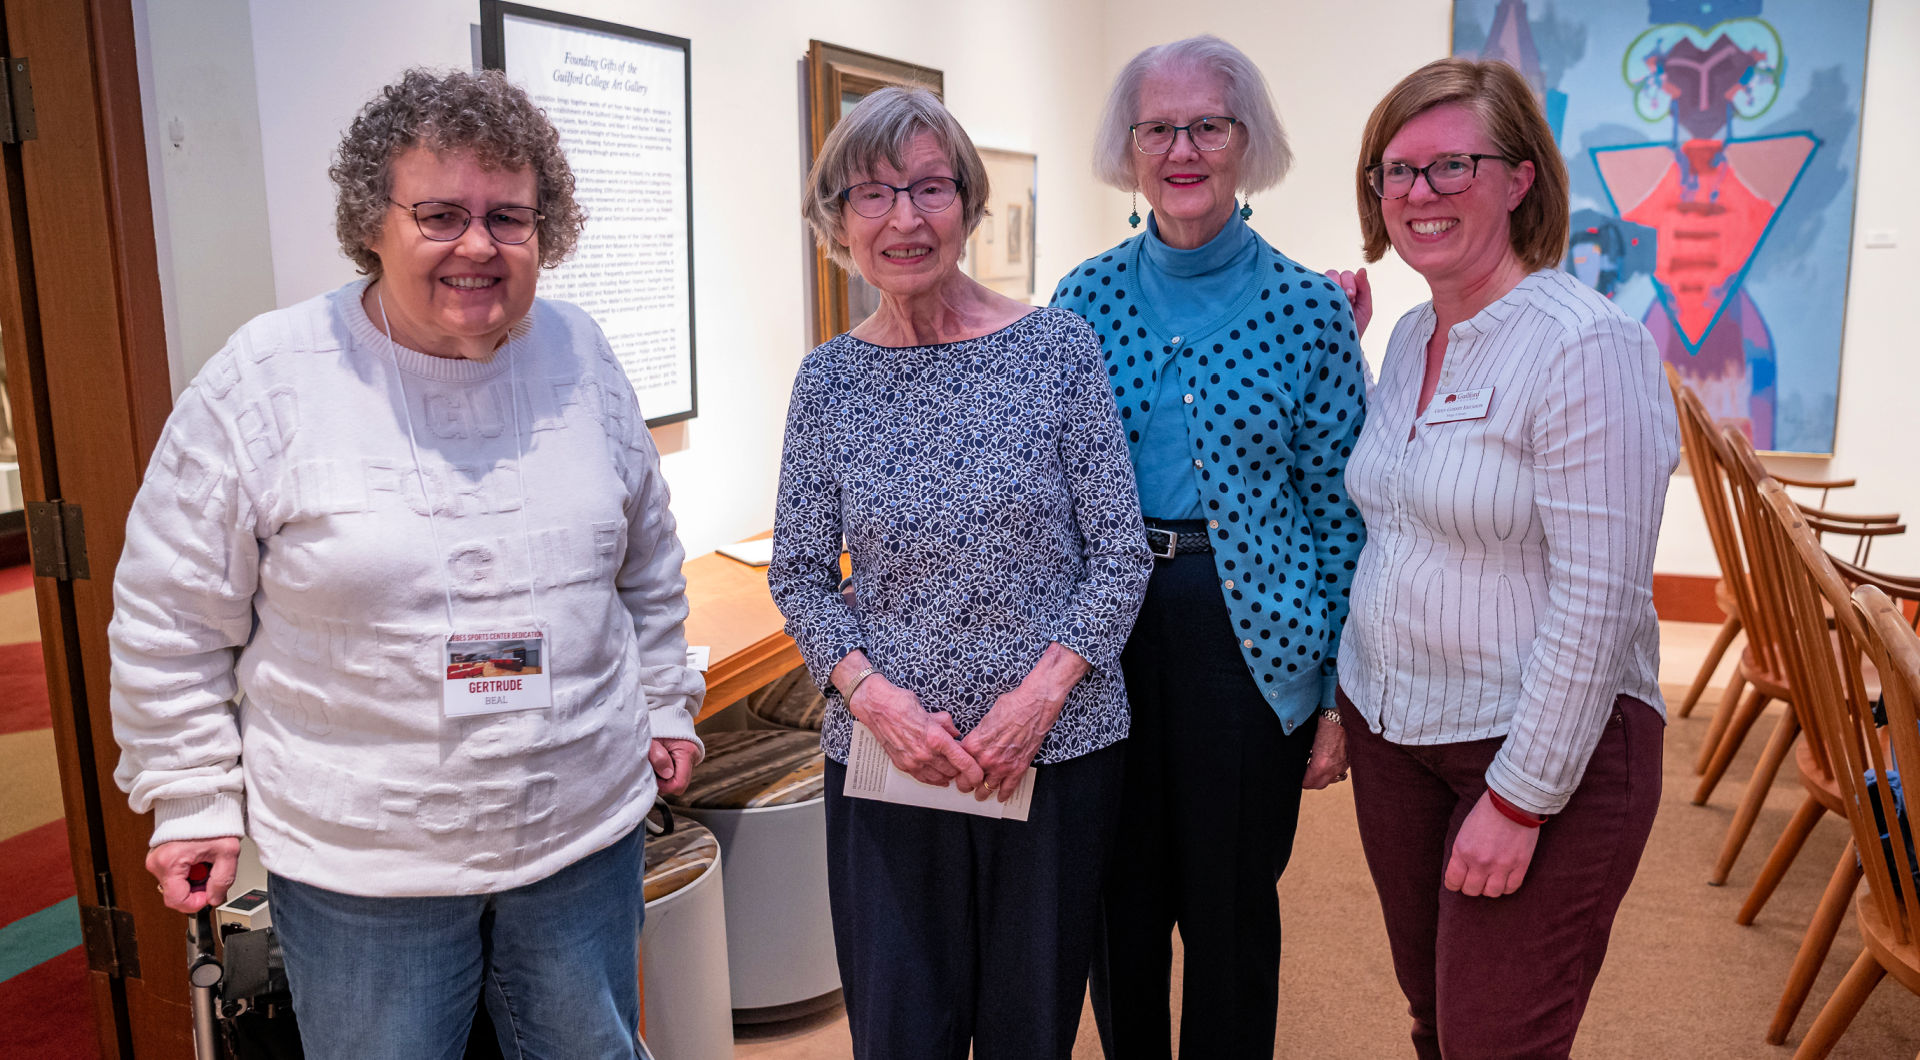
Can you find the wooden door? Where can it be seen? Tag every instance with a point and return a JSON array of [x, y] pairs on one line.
[[80, 322]]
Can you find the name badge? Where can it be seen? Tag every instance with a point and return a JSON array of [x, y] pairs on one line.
[[1459, 405], [490, 673]]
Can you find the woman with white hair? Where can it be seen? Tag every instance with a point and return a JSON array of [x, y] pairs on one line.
[[964, 447], [1240, 386]]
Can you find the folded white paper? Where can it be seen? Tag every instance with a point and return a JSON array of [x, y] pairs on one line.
[[872, 775], [697, 656]]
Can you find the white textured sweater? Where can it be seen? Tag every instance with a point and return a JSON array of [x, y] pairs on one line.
[[1506, 587], [280, 551]]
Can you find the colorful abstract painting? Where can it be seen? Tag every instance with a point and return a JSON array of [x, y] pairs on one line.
[[1712, 146]]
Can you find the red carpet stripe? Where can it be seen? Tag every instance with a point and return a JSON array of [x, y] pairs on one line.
[[39, 872], [23, 688], [12, 578], [47, 1013]]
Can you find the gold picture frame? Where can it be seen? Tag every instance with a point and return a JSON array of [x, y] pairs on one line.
[[837, 79]]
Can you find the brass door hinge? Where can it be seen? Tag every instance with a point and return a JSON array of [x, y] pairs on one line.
[[17, 122], [108, 935], [57, 538]]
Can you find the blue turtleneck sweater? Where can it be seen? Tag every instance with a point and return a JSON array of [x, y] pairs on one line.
[[1188, 290]]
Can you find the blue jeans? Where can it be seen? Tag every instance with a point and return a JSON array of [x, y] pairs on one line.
[[556, 961]]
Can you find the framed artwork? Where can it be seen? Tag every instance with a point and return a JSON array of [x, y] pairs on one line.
[[1712, 150], [837, 80], [1000, 251], [619, 97]]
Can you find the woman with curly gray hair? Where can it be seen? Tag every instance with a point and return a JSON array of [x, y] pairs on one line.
[[401, 601]]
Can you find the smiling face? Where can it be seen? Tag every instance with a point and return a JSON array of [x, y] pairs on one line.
[[1191, 191], [458, 298], [905, 252], [1454, 239]]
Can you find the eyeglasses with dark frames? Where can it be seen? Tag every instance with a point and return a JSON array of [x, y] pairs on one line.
[[1212, 133], [444, 222], [874, 198], [1446, 175]]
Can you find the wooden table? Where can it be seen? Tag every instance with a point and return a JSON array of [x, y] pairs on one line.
[[733, 614]]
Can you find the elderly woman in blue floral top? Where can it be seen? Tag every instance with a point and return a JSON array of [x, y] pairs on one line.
[[966, 448], [1241, 387]]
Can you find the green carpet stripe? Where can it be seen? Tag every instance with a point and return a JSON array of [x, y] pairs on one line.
[[38, 937]]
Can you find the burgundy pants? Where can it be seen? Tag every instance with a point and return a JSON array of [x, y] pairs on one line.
[[1501, 977]]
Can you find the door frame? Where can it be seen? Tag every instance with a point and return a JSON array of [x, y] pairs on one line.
[[84, 339]]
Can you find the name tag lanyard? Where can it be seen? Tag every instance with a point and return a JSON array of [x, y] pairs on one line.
[[483, 672]]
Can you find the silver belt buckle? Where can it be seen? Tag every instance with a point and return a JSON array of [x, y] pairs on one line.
[[1173, 542]]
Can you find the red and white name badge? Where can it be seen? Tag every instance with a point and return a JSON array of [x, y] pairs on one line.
[[490, 673], [1459, 405]]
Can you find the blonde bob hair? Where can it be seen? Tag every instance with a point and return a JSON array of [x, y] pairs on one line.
[[1248, 101], [881, 127], [1510, 116]]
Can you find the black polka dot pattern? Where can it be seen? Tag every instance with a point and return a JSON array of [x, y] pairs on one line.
[[1275, 396], [984, 492]]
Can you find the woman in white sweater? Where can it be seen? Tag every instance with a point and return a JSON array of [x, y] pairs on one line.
[[401, 600], [1499, 671]]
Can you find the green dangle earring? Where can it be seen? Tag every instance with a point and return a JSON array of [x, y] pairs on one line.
[[1133, 219], [1246, 209]]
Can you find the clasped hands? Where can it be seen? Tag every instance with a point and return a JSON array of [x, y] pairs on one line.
[[990, 760]]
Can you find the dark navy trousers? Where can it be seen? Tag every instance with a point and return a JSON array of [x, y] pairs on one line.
[[954, 930], [1208, 812]]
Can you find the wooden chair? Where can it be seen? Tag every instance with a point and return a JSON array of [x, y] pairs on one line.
[[1708, 459], [1710, 483], [1823, 655], [1889, 913], [1761, 675]]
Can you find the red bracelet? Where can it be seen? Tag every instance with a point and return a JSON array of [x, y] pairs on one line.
[[1514, 813]]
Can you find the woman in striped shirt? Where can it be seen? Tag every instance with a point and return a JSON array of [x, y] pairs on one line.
[[1499, 668]]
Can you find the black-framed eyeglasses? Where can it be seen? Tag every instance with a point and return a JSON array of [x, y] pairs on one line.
[[873, 198], [1446, 175], [444, 222], [1212, 133]]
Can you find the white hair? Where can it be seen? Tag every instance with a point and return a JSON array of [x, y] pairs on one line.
[[1247, 98]]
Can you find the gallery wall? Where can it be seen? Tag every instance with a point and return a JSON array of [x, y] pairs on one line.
[[245, 101], [1017, 76]]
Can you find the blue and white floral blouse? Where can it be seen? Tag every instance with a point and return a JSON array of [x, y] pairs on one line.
[[985, 495], [1272, 394]]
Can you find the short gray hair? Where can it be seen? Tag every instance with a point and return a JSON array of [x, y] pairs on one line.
[[880, 128], [457, 113], [1248, 100]]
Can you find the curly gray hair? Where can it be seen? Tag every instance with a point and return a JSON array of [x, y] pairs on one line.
[[483, 115], [1268, 157], [880, 127]]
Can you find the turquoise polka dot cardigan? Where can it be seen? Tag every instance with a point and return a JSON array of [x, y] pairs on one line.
[[1275, 393]]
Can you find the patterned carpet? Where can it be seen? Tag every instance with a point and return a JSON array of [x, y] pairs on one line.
[[44, 1006]]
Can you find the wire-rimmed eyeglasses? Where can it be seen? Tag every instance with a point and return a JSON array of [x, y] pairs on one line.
[[444, 222], [1212, 133], [1446, 175], [873, 198]]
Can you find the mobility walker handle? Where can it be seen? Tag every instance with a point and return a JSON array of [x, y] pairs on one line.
[[204, 971]]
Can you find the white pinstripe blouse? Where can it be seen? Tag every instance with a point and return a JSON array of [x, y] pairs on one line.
[[1506, 586]]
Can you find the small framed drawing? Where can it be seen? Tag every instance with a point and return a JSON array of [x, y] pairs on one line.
[[1000, 252], [837, 80]]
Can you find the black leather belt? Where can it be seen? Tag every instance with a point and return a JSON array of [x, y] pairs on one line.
[[1168, 541]]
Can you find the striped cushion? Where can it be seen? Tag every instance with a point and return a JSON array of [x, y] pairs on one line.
[[758, 767], [791, 701], [675, 860]]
